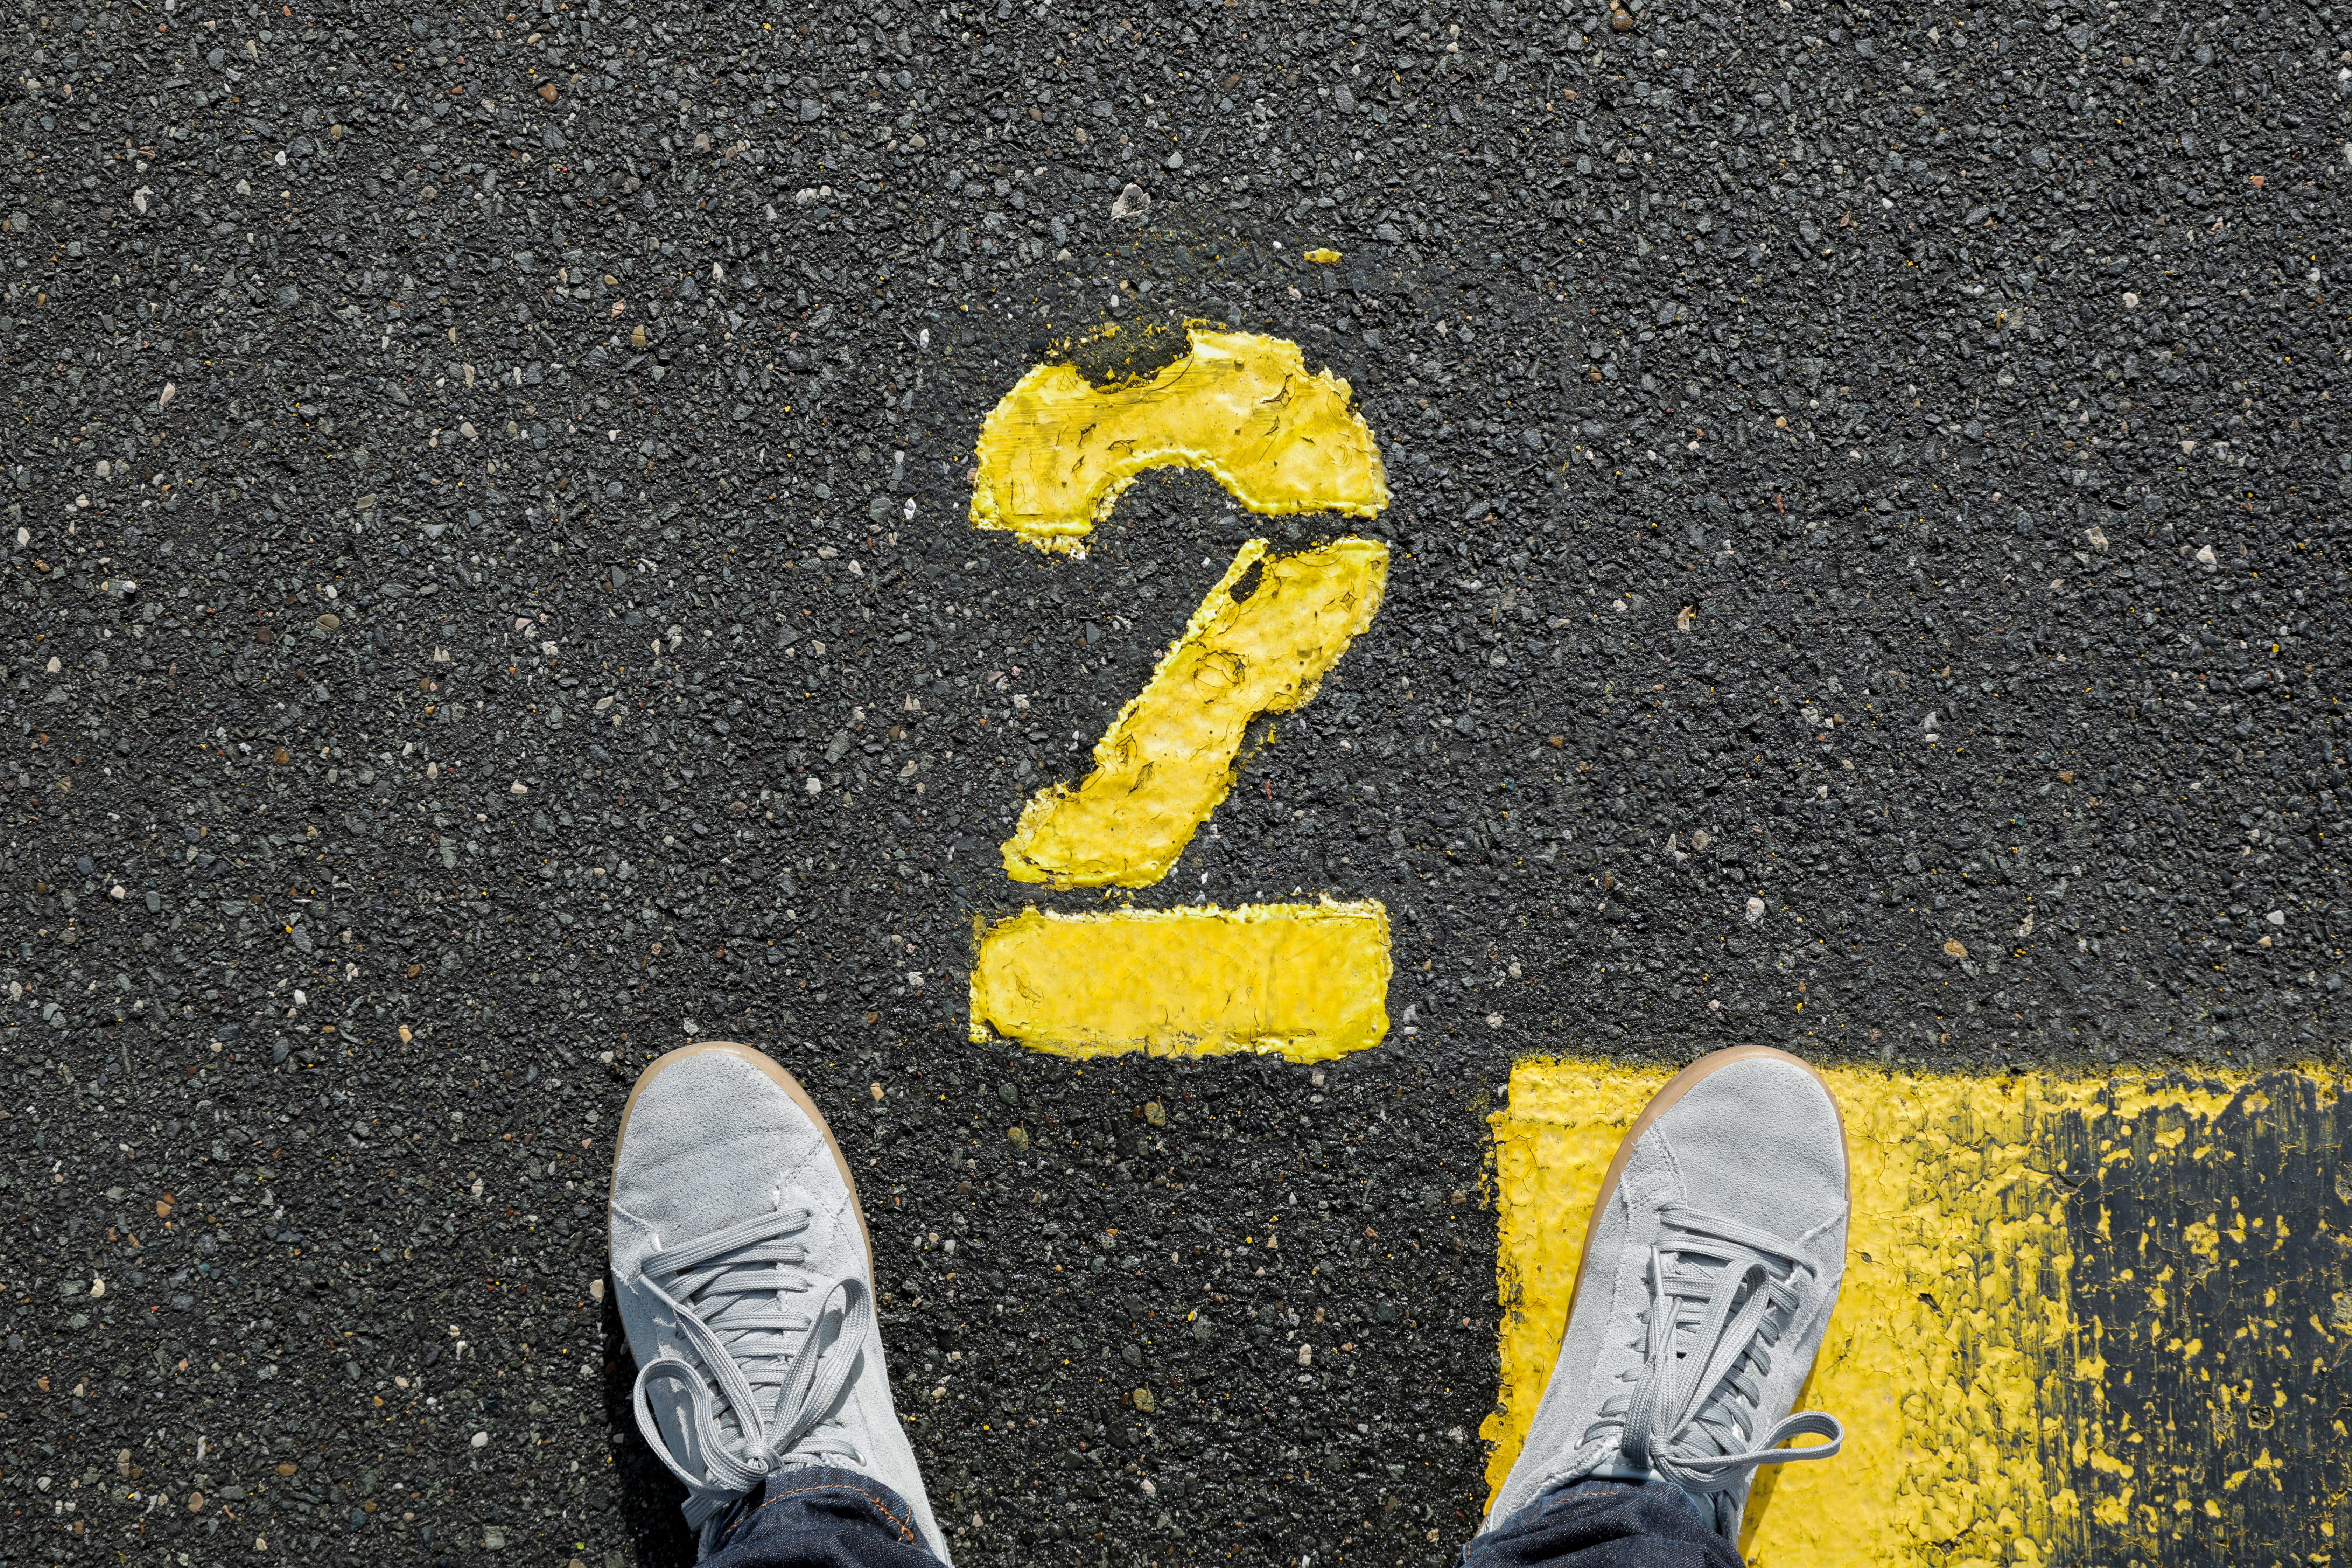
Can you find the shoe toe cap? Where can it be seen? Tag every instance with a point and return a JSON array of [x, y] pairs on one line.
[[712, 1137], [1760, 1141]]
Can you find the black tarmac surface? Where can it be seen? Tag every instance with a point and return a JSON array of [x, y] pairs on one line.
[[488, 599]]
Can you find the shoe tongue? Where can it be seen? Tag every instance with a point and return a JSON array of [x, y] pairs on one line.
[[1690, 1351], [813, 1454], [760, 1355]]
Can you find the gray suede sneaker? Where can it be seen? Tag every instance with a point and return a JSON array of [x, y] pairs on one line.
[[745, 1279], [1710, 1268]]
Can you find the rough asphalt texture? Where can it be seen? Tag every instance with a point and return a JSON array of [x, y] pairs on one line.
[[427, 698]]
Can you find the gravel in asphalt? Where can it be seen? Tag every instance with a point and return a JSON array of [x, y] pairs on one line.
[[491, 597]]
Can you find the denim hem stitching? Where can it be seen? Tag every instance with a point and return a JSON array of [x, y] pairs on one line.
[[903, 1526]]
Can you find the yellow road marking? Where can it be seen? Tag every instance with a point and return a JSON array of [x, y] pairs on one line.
[[1985, 1424], [1166, 761], [1056, 452], [1305, 981], [1308, 982]]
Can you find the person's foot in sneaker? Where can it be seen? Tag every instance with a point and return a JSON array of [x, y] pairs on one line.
[[744, 1277], [1710, 1266]]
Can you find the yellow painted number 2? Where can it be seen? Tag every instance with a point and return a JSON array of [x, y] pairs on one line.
[[1305, 981]]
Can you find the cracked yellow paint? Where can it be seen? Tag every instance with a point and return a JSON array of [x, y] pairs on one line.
[[1970, 1352], [1056, 452], [1308, 982], [1258, 644]]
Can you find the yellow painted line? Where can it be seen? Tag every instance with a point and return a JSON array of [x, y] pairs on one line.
[[1308, 982], [1056, 452], [2016, 1381], [1305, 981], [1167, 760]]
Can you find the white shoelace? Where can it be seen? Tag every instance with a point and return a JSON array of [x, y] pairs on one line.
[[1721, 1292], [778, 1374]]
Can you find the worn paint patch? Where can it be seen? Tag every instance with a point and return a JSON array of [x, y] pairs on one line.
[[1308, 982], [1972, 1356], [1056, 452], [2214, 1251], [1258, 644]]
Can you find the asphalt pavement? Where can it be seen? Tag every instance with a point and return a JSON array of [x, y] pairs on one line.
[[491, 596]]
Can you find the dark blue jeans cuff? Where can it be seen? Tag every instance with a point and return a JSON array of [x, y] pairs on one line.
[[819, 1517], [1622, 1527]]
